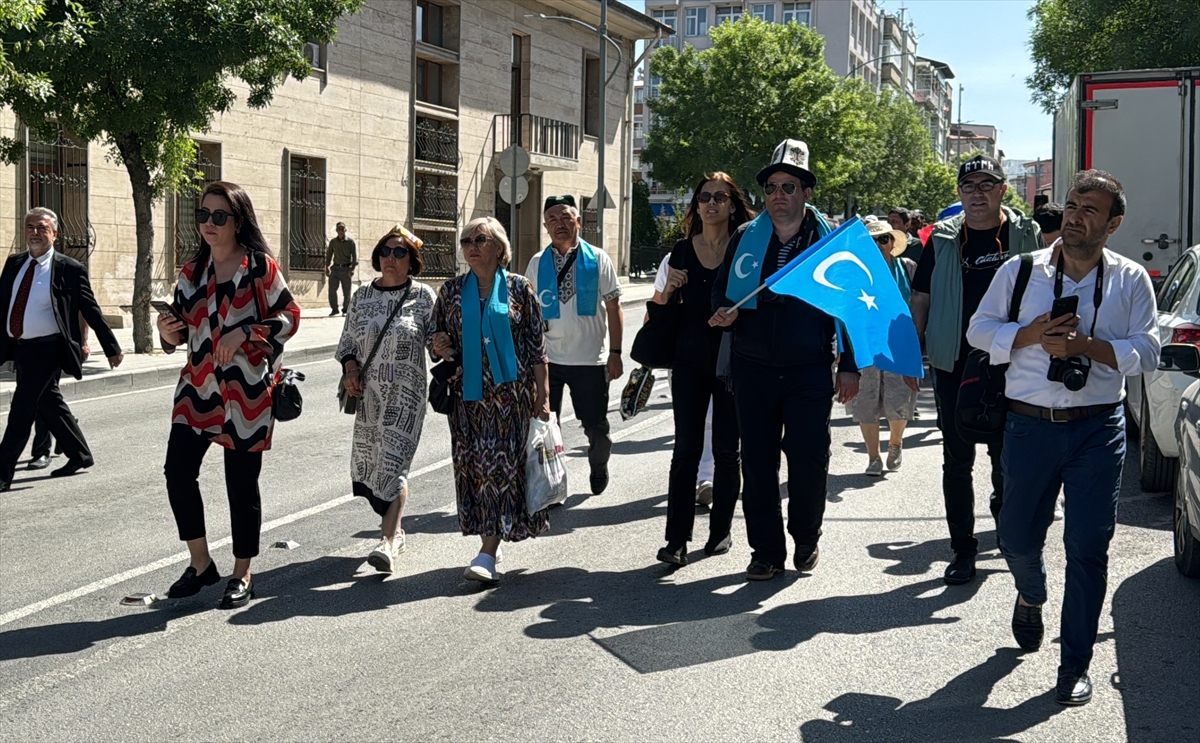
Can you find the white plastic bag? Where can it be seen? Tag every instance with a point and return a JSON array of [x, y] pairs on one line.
[[545, 466]]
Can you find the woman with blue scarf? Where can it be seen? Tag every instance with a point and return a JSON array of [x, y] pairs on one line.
[[491, 322]]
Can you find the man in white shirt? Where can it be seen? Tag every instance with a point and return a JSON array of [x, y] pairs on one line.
[[580, 295], [1066, 425]]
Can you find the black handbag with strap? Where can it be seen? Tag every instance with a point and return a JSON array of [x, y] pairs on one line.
[[348, 404], [286, 401], [654, 344]]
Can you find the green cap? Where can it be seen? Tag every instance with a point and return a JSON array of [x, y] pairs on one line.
[[567, 200]]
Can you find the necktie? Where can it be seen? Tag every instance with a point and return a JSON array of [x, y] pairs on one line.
[[16, 318]]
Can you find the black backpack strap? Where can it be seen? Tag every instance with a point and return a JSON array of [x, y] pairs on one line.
[[1023, 274]]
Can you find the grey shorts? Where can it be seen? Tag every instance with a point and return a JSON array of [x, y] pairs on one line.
[[882, 395]]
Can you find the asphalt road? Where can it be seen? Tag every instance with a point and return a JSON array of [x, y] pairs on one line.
[[586, 637]]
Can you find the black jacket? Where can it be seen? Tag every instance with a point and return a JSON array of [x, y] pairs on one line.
[[783, 330], [70, 296]]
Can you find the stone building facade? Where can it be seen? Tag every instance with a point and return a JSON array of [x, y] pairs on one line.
[[402, 120]]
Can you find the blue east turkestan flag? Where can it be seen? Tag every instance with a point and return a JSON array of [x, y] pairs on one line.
[[845, 275]]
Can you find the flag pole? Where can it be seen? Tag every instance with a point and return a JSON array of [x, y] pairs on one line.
[[747, 298]]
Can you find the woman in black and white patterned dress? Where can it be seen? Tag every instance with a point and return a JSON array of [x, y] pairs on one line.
[[392, 392]]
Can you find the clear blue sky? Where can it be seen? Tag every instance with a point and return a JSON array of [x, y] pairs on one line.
[[992, 73]]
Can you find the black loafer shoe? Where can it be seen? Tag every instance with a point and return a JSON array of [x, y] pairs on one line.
[[71, 467], [806, 558], [238, 593], [39, 463], [961, 571], [762, 570], [1072, 689], [5, 486], [673, 554], [718, 546], [190, 583], [599, 479], [1027, 627]]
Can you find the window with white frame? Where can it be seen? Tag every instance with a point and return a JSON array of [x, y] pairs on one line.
[[763, 11], [695, 22], [799, 12], [668, 18], [639, 95], [638, 130], [728, 13]]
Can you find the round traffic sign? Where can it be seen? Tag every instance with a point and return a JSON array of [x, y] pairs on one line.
[[506, 186], [514, 161]]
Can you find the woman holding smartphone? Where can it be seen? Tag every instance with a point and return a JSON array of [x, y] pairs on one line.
[[233, 310]]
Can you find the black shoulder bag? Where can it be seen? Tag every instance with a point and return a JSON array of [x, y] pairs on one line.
[[286, 401], [347, 404], [654, 344], [982, 404]]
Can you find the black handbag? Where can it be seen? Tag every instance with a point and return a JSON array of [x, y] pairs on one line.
[[982, 404], [346, 403], [654, 344], [441, 398], [286, 401]]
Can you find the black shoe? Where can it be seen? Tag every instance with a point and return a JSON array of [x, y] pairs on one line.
[[806, 558], [761, 570], [961, 571], [673, 554], [716, 546], [39, 463], [72, 466], [333, 313], [1027, 627], [599, 479], [238, 593], [1073, 689], [190, 583], [5, 486]]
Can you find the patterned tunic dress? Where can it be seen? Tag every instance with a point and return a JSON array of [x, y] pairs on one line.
[[231, 404], [391, 410], [488, 436]]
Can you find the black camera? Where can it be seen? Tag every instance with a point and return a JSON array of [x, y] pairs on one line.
[[1070, 373]]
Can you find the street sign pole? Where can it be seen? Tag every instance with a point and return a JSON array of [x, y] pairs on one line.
[[599, 207]]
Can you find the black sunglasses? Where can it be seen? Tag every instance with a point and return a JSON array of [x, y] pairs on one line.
[[479, 240], [789, 188], [397, 252], [883, 239], [219, 217], [718, 196]]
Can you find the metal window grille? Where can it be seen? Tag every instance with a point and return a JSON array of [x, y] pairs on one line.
[[306, 198], [58, 180], [436, 198], [187, 234], [439, 254], [437, 142]]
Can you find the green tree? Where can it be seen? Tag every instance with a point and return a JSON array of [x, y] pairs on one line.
[[934, 188], [1070, 37], [29, 17], [645, 228], [147, 74]]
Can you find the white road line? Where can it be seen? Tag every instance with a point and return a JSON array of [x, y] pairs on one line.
[[62, 598]]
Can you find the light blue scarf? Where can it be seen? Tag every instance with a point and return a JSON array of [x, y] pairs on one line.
[[746, 273], [587, 282], [900, 274], [495, 335]]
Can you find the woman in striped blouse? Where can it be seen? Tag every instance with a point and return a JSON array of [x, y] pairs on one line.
[[236, 313]]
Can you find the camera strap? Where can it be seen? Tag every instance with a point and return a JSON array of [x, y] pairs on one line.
[[1097, 296]]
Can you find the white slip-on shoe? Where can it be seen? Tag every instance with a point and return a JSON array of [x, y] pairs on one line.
[[382, 558], [482, 569]]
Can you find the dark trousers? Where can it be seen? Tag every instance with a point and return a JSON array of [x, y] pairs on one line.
[[37, 396], [692, 386], [339, 276], [1085, 458], [185, 453], [783, 410], [42, 440], [589, 397], [958, 461]]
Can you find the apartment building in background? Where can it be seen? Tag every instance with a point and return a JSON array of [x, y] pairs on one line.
[[934, 97], [401, 121], [967, 137], [1030, 178]]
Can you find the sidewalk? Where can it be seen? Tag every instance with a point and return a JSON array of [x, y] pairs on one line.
[[316, 340]]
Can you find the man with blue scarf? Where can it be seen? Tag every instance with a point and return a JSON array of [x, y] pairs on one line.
[[580, 296], [782, 356]]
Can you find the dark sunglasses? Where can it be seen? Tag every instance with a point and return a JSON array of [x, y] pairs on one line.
[[789, 188], [219, 217], [883, 239], [480, 240], [397, 252], [718, 196]]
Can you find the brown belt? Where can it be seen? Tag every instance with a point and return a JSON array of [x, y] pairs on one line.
[[1061, 415]]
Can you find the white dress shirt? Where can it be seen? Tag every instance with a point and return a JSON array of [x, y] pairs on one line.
[[39, 312], [1127, 320]]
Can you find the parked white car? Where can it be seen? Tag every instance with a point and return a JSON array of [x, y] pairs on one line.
[[1153, 399], [1185, 359]]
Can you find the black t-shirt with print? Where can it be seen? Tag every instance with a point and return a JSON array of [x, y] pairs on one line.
[[981, 252]]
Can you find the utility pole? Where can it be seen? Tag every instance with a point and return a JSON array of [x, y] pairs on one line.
[[600, 193], [958, 142]]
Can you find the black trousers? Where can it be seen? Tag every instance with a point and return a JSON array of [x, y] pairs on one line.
[[958, 462], [42, 440], [339, 276], [38, 371], [692, 387], [589, 397], [185, 453], [783, 409]]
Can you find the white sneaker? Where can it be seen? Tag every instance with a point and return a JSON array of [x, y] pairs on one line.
[[482, 569], [1058, 508], [500, 554], [383, 557], [895, 456], [704, 492], [875, 468]]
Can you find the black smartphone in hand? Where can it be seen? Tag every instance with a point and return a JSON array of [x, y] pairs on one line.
[[1064, 306], [163, 308]]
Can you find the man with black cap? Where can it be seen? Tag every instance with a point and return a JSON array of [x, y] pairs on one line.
[[580, 295], [782, 354], [956, 268]]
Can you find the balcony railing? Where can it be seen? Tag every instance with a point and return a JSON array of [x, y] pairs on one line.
[[437, 142], [538, 135]]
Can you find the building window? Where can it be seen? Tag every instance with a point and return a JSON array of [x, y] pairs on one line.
[[437, 142], [207, 169], [668, 18], [695, 22], [429, 22], [436, 198], [590, 229], [638, 130], [429, 82], [591, 96], [639, 95], [799, 12], [438, 254], [58, 180], [763, 11], [306, 223], [636, 163], [728, 13], [314, 54]]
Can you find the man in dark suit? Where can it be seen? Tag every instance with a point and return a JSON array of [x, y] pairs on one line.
[[43, 294]]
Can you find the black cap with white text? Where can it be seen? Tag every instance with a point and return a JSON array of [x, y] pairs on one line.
[[981, 164]]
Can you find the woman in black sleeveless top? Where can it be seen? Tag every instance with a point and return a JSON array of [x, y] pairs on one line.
[[716, 210]]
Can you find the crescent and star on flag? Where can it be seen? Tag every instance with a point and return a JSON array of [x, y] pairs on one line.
[[845, 256]]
